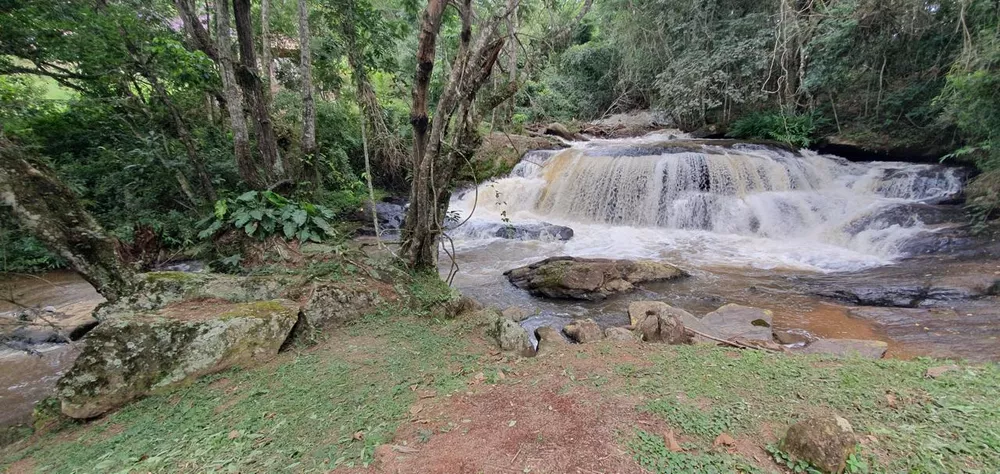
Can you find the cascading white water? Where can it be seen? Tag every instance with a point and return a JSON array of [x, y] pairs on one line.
[[736, 205]]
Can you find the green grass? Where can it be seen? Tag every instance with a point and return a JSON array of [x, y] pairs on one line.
[[300, 414], [948, 424]]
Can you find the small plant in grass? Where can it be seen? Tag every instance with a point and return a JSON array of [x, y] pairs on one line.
[[262, 214]]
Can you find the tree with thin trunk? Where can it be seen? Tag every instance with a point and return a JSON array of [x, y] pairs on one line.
[[441, 146], [308, 103], [267, 62], [390, 154], [50, 211]]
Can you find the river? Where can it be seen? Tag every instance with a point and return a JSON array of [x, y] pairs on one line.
[[754, 224]]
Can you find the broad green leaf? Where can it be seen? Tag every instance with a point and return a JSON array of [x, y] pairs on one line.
[[250, 228], [247, 196], [323, 224], [289, 229], [300, 217]]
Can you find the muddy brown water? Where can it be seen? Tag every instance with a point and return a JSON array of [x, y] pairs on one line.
[[26, 378]]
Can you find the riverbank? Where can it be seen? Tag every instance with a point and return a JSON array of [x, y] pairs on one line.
[[401, 393]]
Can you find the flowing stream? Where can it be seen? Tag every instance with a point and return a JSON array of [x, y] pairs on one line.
[[747, 220]]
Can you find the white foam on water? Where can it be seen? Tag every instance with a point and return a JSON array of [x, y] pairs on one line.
[[699, 204]]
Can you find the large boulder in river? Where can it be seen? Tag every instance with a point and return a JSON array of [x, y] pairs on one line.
[[128, 357], [823, 441], [588, 278], [533, 231]]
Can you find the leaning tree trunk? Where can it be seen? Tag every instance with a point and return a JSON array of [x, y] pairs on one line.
[[253, 91], [50, 211], [308, 104]]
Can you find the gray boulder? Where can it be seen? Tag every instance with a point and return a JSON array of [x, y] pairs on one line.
[[549, 339], [847, 348], [734, 321], [330, 304], [588, 278], [127, 357], [511, 337], [823, 441]]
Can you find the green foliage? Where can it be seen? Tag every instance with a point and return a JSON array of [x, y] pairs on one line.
[[794, 130], [857, 462], [22, 253], [262, 214]]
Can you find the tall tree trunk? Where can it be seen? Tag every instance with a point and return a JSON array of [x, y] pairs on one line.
[[418, 235], [49, 210], [253, 92], [267, 62], [434, 160], [221, 53], [308, 104]]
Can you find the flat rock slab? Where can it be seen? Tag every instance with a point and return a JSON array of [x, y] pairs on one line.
[[847, 348], [588, 278], [965, 329], [128, 357], [734, 321]]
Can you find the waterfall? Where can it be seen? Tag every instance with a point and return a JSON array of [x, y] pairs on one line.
[[718, 191]]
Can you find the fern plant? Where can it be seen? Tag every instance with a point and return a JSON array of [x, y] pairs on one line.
[[262, 214]]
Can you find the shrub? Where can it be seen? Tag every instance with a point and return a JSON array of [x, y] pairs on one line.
[[795, 130], [262, 214]]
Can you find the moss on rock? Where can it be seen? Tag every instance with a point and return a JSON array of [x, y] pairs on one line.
[[138, 353]]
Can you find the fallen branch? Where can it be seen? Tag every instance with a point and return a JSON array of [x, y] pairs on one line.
[[728, 342]]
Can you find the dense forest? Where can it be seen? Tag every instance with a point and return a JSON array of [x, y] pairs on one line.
[[177, 122]]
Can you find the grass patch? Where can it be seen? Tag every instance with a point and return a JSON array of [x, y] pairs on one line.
[[651, 453], [948, 424], [300, 413]]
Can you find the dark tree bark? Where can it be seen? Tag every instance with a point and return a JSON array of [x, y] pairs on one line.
[[49, 210], [253, 92], [438, 152]]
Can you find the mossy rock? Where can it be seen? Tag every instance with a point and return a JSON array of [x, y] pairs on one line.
[[160, 289], [135, 354], [588, 278]]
